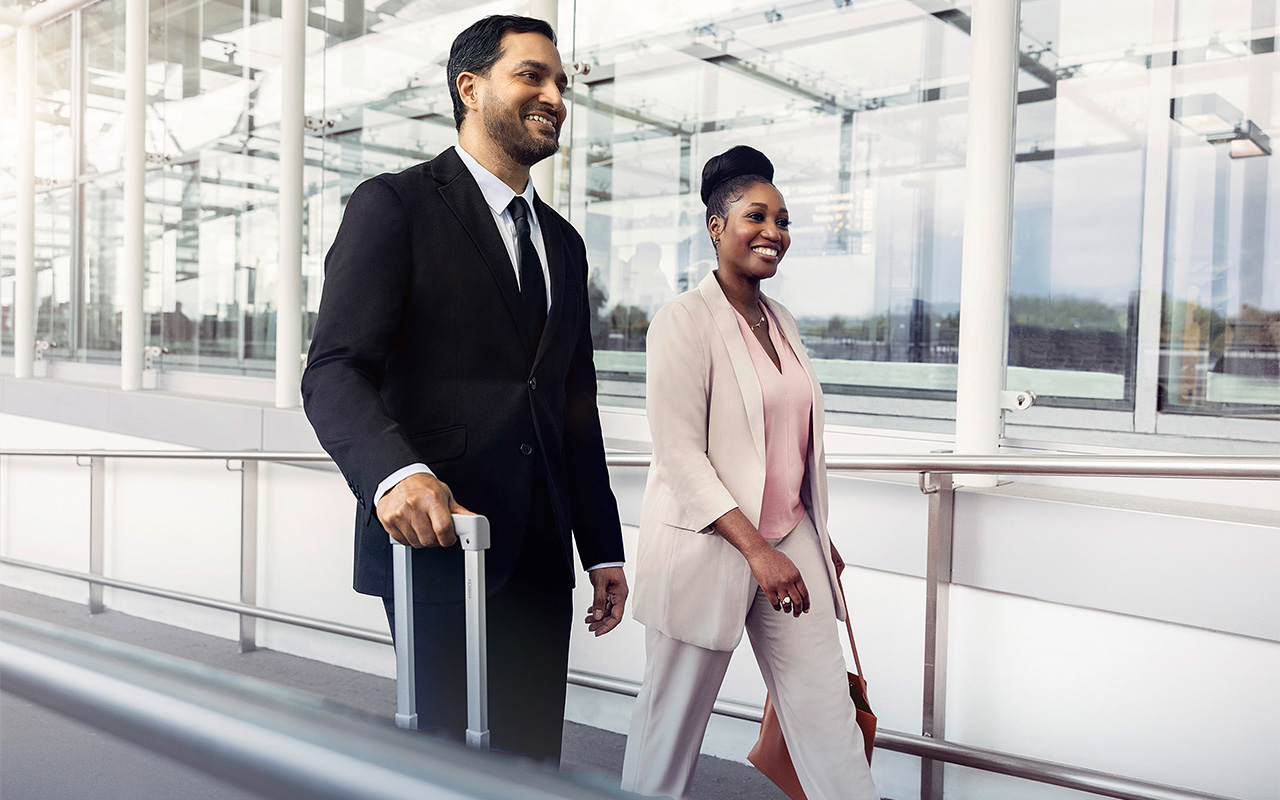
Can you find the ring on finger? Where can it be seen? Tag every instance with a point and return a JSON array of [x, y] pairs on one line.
[[786, 601]]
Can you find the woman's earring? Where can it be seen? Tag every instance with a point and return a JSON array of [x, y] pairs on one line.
[[715, 242]]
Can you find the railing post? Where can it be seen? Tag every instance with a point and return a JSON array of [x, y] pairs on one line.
[[97, 528], [248, 553], [942, 497]]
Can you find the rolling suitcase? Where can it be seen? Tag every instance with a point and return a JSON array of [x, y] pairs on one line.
[[473, 536]]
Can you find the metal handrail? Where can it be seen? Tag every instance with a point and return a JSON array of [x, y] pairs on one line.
[[260, 737], [325, 626], [939, 466], [1127, 466]]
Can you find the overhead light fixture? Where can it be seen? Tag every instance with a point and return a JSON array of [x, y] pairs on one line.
[[1206, 114], [1246, 141], [1219, 122]]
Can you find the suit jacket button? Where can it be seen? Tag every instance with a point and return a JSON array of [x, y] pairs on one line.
[[527, 449], [533, 383]]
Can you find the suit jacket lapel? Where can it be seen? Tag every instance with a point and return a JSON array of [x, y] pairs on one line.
[[459, 191], [726, 320], [553, 242]]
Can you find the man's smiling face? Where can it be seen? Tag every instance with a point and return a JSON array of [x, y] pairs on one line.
[[521, 99]]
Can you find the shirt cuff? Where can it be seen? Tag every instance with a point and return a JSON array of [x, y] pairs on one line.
[[391, 480], [606, 564]]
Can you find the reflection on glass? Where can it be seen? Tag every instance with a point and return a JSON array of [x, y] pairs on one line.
[[103, 244], [8, 205], [53, 103], [104, 86], [8, 246], [54, 306], [1220, 338], [55, 299], [103, 192], [211, 236], [1220, 332]]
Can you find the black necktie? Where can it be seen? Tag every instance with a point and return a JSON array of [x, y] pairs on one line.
[[532, 288]]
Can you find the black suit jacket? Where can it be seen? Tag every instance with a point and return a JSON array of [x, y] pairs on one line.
[[418, 356]]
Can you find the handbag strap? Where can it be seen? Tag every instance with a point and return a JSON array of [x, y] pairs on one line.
[[853, 645]]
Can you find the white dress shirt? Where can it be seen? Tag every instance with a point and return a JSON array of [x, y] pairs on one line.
[[497, 195]]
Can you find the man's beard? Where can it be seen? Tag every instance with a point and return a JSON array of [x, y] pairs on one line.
[[513, 136]]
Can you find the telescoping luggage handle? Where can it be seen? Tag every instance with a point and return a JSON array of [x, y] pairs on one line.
[[473, 535]]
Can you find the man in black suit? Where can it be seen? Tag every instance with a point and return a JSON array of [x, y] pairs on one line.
[[452, 359]]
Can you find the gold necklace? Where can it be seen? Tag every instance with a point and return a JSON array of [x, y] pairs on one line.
[[758, 324]]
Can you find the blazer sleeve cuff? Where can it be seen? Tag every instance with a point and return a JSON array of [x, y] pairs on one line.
[[699, 519], [389, 482]]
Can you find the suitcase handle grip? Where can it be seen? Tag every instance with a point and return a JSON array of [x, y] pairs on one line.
[[472, 531]]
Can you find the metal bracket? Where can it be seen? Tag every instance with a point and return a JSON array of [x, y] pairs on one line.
[[927, 486], [158, 158], [40, 367], [151, 375], [150, 354], [578, 68], [1017, 400], [235, 465], [316, 124]]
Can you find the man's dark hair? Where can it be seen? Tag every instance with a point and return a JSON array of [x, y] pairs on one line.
[[479, 47]]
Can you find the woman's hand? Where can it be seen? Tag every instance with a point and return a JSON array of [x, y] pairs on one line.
[[837, 560], [775, 573], [780, 579]]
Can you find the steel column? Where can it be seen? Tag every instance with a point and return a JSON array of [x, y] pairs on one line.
[[984, 270], [289, 280], [543, 174], [248, 553], [75, 333], [1155, 211], [97, 529], [942, 498], [132, 265], [24, 292]]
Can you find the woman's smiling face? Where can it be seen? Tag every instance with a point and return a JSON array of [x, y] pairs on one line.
[[755, 235]]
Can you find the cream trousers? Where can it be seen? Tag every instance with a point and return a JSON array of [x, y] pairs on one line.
[[804, 670]]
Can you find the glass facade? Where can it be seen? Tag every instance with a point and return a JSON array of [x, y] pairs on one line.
[[1220, 325], [1122, 211]]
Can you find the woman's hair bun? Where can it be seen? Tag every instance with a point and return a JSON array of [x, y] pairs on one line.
[[732, 163]]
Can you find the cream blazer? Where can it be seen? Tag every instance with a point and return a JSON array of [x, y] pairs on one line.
[[706, 419]]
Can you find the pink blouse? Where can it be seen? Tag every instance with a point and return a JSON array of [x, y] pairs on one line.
[[788, 406]]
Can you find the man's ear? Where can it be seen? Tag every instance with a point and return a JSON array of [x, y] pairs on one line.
[[469, 90]]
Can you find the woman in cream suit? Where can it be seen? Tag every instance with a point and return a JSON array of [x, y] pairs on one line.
[[733, 530]]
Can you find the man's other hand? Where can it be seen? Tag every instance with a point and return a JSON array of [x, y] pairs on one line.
[[610, 599], [418, 512]]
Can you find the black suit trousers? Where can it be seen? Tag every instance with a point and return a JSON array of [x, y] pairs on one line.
[[529, 620]]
